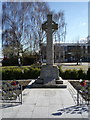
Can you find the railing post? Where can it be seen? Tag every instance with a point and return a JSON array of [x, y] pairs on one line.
[[77, 97], [21, 94]]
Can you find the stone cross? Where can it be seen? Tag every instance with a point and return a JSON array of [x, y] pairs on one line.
[[49, 26]]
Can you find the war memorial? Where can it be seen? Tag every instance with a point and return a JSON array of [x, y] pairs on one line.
[[49, 76], [41, 98]]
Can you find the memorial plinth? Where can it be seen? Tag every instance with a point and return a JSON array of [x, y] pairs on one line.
[[49, 76], [49, 72]]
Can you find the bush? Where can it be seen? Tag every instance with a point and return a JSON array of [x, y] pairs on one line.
[[74, 74], [81, 74], [66, 74], [60, 72], [30, 72], [10, 61], [28, 60], [9, 73], [13, 61], [88, 74]]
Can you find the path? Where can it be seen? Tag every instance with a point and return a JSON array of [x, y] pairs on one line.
[[46, 103]]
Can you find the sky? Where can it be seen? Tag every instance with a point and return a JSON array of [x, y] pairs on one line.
[[76, 17], [0, 33]]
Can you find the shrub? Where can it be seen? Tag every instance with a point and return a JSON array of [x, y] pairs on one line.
[[66, 74], [81, 74], [60, 72], [25, 60], [29, 72], [32, 72], [88, 74], [74, 74], [20, 73], [11, 73], [10, 61], [28, 60]]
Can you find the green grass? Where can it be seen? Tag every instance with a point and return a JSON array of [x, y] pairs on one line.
[[64, 67], [34, 70], [85, 68]]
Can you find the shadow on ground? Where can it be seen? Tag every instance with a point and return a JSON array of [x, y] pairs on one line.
[[72, 110], [7, 105]]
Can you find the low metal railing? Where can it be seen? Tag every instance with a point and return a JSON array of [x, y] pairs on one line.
[[83, 97], [11, 93]]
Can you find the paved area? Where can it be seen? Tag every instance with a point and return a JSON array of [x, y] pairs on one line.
[[46, 103]]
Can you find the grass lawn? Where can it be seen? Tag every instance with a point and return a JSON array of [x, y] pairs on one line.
[[64, 67], [83, 66]]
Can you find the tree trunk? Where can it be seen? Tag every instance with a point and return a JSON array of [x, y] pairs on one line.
[[77, 62]]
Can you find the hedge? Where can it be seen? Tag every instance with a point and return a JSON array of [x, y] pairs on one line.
[[74, 74], [20, 73], [29, 72], [82, 74], [88, 74], [13, 61]]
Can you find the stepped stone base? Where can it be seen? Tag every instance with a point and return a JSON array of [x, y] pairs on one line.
[[39, 83], [49, 78], [49, 86], [59, 81]]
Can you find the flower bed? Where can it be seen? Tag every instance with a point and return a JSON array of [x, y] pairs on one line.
[[23, 83], [11, 90], [83, 88]]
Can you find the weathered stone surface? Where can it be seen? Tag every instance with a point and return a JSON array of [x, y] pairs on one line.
[[49, 86], [49, 72], [39, 81], [59, 82], [49, 26], [49, 76]]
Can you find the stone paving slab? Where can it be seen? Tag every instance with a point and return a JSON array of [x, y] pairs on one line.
[[45, 103]]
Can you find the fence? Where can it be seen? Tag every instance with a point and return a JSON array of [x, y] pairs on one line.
[[83, 97], [11, 92]]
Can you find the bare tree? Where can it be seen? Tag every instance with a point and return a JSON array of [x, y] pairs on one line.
[[60, 19], [21, 25], [12, 25]]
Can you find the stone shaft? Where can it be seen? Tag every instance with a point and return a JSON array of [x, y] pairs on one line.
[[49, 47]]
